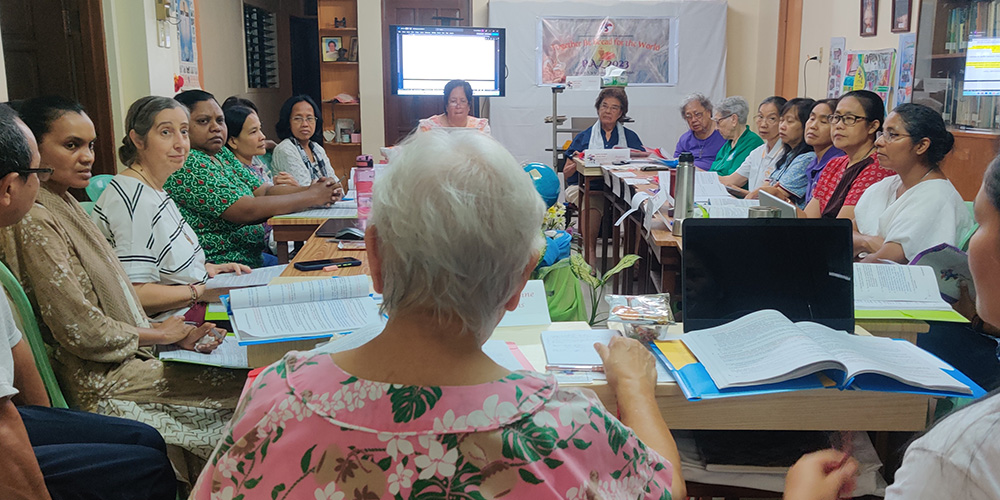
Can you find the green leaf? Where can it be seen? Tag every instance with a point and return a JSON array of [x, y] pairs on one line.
[[518, 393], [581, 444], [616, 474], [562, 444], [277, 434], [385, 463], [626, 262], [410, 402], [307, 459], [281, 369], [552, 463], [263, 448], [528, 442], [583, 271], [239, 467], [659, 466], [617, 433], [349, 381], [252, 483], [238, 497], [249, 456], [528, 477], [277, 489]]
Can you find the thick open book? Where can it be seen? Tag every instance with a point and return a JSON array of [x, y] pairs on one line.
[[304, 310], [765, 347], [887, 291]]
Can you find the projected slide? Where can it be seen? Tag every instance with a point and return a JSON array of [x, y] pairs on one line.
[[425, 58], [982, 67]]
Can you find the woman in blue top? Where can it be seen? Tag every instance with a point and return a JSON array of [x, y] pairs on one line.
[[789, 181]]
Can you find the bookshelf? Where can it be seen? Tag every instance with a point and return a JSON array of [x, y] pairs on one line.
[[943, 35], [339, 18]]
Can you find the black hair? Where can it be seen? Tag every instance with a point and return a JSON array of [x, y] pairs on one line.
[[830, 103], [140, 118], [191, 98], [284, 127], [777, 100], [452, 85], [239, 101], [236, 117], [38, 113], [617, 93], [801, 106], [15, 151], [991, 182], [871, 103], [923, 122]]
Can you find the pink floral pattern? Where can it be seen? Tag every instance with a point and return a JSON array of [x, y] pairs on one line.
[[307, 429]]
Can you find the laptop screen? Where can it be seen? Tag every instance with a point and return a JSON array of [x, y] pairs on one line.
[[800, 267]]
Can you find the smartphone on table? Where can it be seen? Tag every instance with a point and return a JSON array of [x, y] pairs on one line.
[[318, 265]]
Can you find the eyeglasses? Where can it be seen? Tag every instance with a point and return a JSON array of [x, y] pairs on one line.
[[307, 119], [770, 119], [848, 120], [611, 107], [889, 136], [457, 103], [696, 115], [717, 120], [43, 173]]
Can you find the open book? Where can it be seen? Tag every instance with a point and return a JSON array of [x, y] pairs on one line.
[[886, 291], [765, 347], [304, 310]]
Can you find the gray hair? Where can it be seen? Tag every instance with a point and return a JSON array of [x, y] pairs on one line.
[[735, 105], [140, 118], [457, 223], [699, 98]]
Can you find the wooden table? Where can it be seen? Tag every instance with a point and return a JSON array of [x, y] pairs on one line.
[[287, 229], [587, 174]]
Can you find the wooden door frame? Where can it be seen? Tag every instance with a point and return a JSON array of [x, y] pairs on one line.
[[94, 56], [786, 75]]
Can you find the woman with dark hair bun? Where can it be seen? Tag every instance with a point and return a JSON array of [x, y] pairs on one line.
[[457, 110], [902, 215]]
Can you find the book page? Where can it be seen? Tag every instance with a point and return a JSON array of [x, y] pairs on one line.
[[257, 277], [707, 185], [335, 212], [305, 318], [734, 202], [761, 347], [306, 291], [229, 354], [894, 287], [728, 212], [951, 267], [574, 348], [899, 360]]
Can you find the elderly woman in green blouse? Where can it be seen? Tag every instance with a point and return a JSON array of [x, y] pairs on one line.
[[730, 117]]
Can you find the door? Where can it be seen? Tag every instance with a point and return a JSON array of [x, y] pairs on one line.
[[305, 57], [57, 47], [403, 112]]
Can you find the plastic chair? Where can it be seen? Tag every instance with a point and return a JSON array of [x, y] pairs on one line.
[[88, 206], [963, 243], [97, 185], [29, 327]]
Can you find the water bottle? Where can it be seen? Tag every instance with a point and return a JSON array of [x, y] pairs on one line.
[[364, 177], [684, 191]]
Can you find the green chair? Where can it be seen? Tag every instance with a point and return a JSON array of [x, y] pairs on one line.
[[29, 327], [88, 206], [97, 185], [963, 243]]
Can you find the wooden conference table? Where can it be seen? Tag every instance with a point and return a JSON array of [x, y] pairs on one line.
[[288, 229], [803, 410]]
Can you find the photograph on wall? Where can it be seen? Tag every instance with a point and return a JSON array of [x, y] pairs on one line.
[[870, 70], [330, 47], [869, 17], [835, 78], [187, 37], [904, 77], [901, 15], [643, 51]]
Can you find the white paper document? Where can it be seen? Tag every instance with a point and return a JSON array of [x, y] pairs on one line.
[[305, 291], [574, 349], [707, 185], [889, 287], [351, 340], [533, 308], [503, 354], [229, 354], [335, 212], [258, 277]]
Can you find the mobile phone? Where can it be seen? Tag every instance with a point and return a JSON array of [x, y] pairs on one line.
[[318, 265]]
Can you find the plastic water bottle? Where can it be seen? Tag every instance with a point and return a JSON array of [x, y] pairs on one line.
[[364, 174], [684, 191]]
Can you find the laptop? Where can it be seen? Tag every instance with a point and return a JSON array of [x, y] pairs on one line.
[[800, 267], [770, 200]]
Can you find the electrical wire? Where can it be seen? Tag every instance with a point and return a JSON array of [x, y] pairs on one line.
[[805, 79]]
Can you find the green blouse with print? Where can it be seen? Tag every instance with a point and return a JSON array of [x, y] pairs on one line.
[[729, 158], [204, 188]]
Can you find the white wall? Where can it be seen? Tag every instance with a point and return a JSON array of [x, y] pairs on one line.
[[823, 19], [3, 76]]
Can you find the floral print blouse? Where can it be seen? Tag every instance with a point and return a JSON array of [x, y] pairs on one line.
[[306, 429]]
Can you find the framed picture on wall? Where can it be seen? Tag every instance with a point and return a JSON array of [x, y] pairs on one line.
[[352, 55], [869, 17], [901, 15], [330, 48]]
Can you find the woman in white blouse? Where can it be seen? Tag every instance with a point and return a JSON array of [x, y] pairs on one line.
[[902, 215], [761, 161], [158, 249], [300, 152]]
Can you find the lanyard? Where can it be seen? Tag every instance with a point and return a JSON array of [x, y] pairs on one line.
[[319, 168]]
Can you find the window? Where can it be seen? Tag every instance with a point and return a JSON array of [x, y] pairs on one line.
[[262, 48]]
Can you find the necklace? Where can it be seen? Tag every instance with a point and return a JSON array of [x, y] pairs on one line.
[[150, 184]]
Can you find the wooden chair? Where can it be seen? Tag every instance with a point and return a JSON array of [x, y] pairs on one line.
[[29, 328]]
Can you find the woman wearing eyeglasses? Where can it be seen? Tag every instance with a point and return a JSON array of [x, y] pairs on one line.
[[300, 152], [789, 181], [853, 126], [917, 208], [730, 119], [457, 110], [759, 164]]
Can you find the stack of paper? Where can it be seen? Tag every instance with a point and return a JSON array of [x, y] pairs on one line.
[[729, 208], [707, 185], [258, 277], [886, 291], [229, 354]]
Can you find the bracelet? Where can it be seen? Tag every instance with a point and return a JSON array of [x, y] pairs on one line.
[[194, 295]]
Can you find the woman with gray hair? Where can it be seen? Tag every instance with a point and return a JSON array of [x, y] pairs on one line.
[[730, 118], [421, 410], [702, 139]]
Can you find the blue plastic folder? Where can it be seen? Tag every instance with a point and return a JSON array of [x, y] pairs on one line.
[[696, 384]]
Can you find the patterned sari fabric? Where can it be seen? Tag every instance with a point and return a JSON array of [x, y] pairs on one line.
[[307, 429]]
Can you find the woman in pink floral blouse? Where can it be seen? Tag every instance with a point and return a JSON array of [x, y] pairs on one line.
[[421, 411]]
